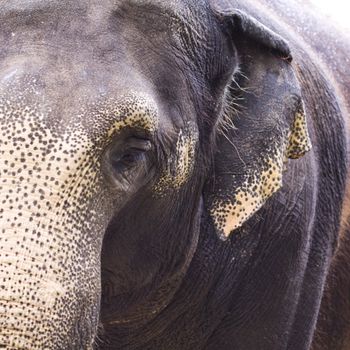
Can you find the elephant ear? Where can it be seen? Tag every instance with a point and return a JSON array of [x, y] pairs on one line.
[[256, 138]]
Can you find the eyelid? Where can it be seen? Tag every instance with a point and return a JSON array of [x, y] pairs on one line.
[[140, 147], [138, 144]]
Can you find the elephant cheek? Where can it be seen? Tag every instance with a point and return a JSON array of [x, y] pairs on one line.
[[49, 280]]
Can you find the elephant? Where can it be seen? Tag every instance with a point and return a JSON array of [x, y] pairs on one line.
[[173, 175]]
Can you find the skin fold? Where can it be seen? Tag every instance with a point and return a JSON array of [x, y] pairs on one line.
[[173, 175]]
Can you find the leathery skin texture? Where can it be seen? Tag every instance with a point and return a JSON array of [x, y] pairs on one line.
[[171, 175]]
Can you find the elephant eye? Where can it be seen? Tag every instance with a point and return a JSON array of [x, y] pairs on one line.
[[128, 159], [132, 154]]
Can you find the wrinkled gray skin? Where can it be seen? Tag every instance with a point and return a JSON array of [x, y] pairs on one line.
[[115, 156]]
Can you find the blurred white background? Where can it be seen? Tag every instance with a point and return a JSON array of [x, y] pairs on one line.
[[336, 9]]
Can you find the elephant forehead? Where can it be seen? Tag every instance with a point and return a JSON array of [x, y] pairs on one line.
[[54, 6], [75, 120]]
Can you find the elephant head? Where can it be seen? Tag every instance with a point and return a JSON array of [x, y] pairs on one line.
[[120, 125]]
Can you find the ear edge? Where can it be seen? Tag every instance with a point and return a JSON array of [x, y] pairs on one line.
[[255, 30]]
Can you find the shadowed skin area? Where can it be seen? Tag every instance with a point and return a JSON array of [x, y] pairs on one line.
[[171, 175]]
